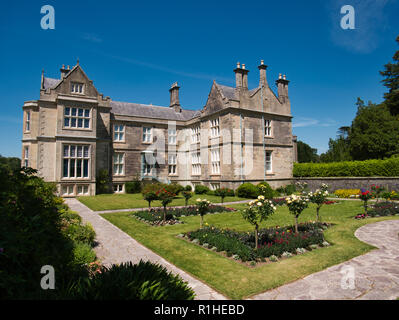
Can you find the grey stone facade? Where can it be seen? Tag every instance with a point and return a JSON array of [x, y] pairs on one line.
[[72, 132]]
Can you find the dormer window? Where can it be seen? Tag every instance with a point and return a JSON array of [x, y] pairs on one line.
[[77, 87]]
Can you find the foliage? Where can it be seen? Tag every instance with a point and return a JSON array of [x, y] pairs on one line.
[[368, 168], [149, 192], [31, 236], [258, 211], [166, 197], [385, 208], [376, 191], [306, 153], [134, 186], [142, 281], [390, 195], [10, 163], [187, 196], [338, 150], [287, 190], [374, 133], [391, 81], [188, 188], [103, 182], [296, 204], [365, 196], [319, 197], [223, 193], [347, 193], [174, 188], [200, 189], [247, 190], [202, 208], [78, 232], [265, 190], [83, 253]]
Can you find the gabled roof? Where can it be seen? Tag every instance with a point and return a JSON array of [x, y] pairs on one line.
[[150, 111], [228, 92]]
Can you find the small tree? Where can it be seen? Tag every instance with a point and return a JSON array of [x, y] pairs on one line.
[[296, 204], [365, 195], [149, 192], [187, 196], [223, 193], [202, 208], [318, 198], [258, 211], [376, 191], [166, 197]]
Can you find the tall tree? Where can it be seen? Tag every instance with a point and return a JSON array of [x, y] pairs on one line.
[[374, 133], [391, 81], [306, 153]]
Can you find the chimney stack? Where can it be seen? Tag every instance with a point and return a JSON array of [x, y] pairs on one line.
[[174, 97], [262, 74], [282, 88], [64, 71], [241, 76]]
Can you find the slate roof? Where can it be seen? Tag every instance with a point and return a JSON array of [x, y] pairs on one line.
[[50, 82], [228, 92], [150, 111]]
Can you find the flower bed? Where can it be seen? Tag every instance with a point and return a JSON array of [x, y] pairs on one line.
[[273, 242], [380, 209], [154, 216], [330, 202]]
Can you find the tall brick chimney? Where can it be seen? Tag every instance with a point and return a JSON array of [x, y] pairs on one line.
[[241, 77], [262, 74], [282, 88], [174, 97]]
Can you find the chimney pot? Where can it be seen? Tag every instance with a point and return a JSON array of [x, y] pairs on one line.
[[243, 65], [261, 62], [238, 65]]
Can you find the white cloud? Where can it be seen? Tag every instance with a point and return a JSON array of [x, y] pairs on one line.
[[300, 122], [92, 37]]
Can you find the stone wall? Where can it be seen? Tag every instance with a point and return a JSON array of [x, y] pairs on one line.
[[389, 183]]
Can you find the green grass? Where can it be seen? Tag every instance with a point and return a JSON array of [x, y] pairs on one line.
[[237, 281], [129, 201]]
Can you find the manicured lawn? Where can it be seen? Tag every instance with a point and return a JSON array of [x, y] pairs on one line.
[[238, 281], [128, 201]]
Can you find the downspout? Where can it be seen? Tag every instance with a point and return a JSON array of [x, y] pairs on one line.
[[241, 151], [263, 134]]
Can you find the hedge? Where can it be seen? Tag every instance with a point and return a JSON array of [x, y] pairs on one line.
[[367, 168]]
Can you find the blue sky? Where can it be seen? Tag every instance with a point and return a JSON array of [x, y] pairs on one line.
[[134, 51]]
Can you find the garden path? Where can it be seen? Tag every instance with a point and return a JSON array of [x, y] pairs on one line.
[[115, 246], [376, 273]]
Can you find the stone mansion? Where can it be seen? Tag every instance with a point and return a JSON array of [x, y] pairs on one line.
[[241, 135]]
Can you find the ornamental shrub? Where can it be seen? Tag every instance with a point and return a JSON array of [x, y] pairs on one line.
[[247, 190], [103, 182], [368, 168], [83, 233], [347, 193], [174, 188], [83, 253], [265, 190], [142, 281], [223, 193], [188, 188], [134, 186], [201, 189]]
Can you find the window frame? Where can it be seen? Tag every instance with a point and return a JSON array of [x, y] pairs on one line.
[[172, 164], [268, 129], [76, 117], [75, 158], [118, 132], [196, 163], [26, 156], [122, 190], [196, 134], [27, 120], [215, 161], [174, 135], [80, 91], [145, 134], [119, 164], [270, 161], [215, 127]]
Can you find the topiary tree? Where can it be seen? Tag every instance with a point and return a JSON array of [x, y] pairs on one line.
[[202, 208], [365, 195], [166, 197], [296, 204], [149, 192], [247, 190], [200, 189], [258, 211], [223, 193], [188, 188], [187, 196], [318, 198]]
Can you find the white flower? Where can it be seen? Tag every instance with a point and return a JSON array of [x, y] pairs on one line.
[[261, 198], [259, 204]]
